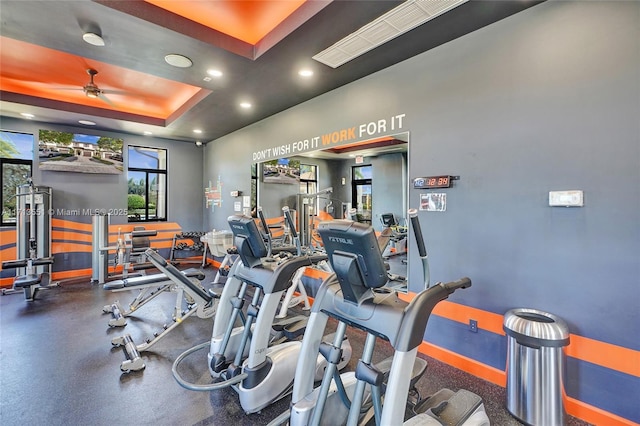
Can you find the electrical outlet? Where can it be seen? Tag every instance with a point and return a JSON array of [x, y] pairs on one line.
[[473, 326]]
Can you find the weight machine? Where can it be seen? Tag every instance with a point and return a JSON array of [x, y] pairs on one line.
[[33, 240], [135, 243]]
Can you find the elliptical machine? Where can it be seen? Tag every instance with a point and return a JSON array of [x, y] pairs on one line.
[[350, 297], [259, 372]]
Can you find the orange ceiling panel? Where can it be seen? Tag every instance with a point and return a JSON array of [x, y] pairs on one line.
[[33, 70], [248, 21]]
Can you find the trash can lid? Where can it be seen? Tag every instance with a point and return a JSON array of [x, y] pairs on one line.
[[534, 327]]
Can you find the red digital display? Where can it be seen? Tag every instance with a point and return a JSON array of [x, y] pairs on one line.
[[432, 182]]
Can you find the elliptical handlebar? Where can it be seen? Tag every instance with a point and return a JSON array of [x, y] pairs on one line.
[[263, 221], [455, 285], [292, 229], [422, 250], [417, 232], [289, 220]]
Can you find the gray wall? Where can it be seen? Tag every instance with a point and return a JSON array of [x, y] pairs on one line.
[[548, 99], [99, 191]]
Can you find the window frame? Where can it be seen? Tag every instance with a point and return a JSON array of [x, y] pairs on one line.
[[147, 172], [355, 183], [3, 161]]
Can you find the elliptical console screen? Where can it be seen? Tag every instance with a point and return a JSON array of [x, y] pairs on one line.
[[354, 254], [247, 236]]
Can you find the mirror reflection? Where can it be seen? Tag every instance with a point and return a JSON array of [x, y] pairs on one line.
[[366, 181]]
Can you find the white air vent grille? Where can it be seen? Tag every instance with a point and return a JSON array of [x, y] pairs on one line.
[[403, 18], [408, 17], [379, 33], [437, 7]]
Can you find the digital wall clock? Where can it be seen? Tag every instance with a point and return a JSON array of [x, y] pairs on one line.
[[433, 182]]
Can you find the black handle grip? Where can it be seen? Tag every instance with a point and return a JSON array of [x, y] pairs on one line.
[[144, 233], [417, 232], [263, 221], [287, 217], [455, 285]]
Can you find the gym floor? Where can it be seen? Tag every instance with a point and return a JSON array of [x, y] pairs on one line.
[[59, 368]]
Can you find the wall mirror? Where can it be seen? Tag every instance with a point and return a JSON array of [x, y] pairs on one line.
[[368, 176]]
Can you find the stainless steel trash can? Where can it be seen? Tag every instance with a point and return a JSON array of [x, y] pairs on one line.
[[536, 366]]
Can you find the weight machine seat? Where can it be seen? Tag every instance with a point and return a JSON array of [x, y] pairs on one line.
[[27, 280], [149, 279]]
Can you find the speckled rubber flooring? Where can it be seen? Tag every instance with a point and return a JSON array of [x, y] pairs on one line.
[[58, 366]]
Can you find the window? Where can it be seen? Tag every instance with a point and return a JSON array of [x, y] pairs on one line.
[[16, 160], [254, 188], [147, 184], [308, 179], [309, 183], [361, 185]]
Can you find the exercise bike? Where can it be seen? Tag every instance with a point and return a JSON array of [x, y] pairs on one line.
[[350, 295]]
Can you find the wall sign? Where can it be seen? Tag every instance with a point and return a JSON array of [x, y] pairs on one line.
[[433, 202], [362, 131]]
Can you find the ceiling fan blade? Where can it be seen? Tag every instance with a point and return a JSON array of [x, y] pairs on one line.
[[107, 100], [115, 92], [67, 88]]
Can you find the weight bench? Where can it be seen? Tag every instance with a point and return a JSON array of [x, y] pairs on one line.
[[29, 283], [201, 303], [151, 286]]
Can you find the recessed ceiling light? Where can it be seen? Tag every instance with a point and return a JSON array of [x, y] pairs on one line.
[[93, 38], [87, 122], [214, 73], [305, 73], [27, 115], [245, 105], [148, 133], [179, 61], [198, 131]]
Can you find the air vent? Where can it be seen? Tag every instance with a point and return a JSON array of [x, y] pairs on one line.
[[403, 18]]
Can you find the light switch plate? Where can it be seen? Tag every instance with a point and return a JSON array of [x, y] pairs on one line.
[[573, 198]]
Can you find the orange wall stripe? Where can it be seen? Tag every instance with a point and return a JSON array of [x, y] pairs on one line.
[[604, 354], [76, 273], [594, 415], [78, 226], [8, 253], [315, 273], [573, 406], [70, 235], [488, 321], [57, 248], [596, 352], [7, 237], [6, 282], [463, 363]]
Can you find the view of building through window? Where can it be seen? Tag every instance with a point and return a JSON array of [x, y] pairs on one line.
[[16, 161], [146, 184]]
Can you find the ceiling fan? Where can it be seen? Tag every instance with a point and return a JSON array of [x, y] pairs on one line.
[[92, 90]]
